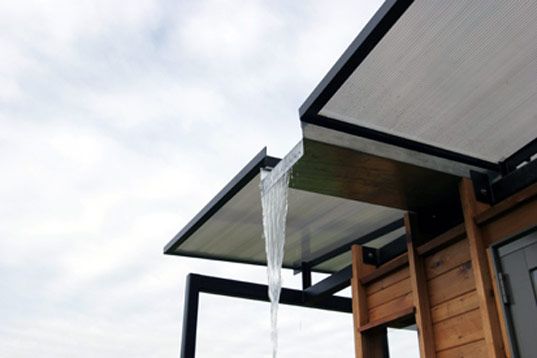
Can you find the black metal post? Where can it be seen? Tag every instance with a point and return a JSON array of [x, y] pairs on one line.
[[190, 318], [306, 276]]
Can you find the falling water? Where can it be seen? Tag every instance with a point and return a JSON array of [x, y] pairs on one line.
[[274, 188]]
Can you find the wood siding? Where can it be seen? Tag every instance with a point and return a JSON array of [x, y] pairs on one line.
[[453, 299]]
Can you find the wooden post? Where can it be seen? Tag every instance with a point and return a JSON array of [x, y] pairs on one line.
[[501, 318], [367, 344], [491, 328], [418, 281]]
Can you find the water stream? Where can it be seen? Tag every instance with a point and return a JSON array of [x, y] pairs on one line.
[[274, 190]]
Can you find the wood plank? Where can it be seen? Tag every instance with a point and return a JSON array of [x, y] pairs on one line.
[[447, 259], [456, 233], [418, 281], [386, 269], [377, 343], [387, 281], [389, 308], [485, 293], [475, 349], [519, 219], [506, 205], [455, 307], [458, 330], [389, 293], [401, 314], [451, 284], [366, 346]]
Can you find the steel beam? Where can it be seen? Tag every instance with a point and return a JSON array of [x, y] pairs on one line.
[[386, 253], [492, 192], [522, 155], [330, 285], [375, 234], [239, 289]]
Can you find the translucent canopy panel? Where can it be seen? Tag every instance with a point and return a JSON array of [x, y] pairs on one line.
[[458, 75], [316, 224]]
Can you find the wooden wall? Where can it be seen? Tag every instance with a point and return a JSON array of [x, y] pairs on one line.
[[454, 274], [389, 295], [454, 308], [453, 301]]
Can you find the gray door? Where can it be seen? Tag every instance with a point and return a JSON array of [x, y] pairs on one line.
[[518, 266]]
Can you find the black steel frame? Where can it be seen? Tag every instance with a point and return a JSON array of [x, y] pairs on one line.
[[522, 155], [494, 191], [391, 250], [196, 284], [375, 234], [319, 295]]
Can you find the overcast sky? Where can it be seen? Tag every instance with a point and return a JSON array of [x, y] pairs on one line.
[[119, 122]]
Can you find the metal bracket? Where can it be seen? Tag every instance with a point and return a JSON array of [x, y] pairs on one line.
[[491, 192], [370, 255], [380, 256], [482, 187]]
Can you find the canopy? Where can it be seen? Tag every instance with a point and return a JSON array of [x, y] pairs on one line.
[[230, 227], [428, 92]]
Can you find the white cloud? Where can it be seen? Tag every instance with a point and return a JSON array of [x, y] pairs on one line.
[[119, 122], [214, 28], [151, 103]]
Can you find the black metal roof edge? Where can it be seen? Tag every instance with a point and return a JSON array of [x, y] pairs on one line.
[[520, 156], [235, 260], [261, 160], [398, 141], [373, 32]]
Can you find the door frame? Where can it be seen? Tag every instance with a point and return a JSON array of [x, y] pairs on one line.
[[497, 267]]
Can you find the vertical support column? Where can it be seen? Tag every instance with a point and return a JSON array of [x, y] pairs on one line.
[[190, 318], [367, 344], [478, 255], [306, 276], [418, 281]]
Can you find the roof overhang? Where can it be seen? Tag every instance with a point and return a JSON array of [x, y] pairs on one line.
[[427, 93], [454, 80], [319, 224]]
